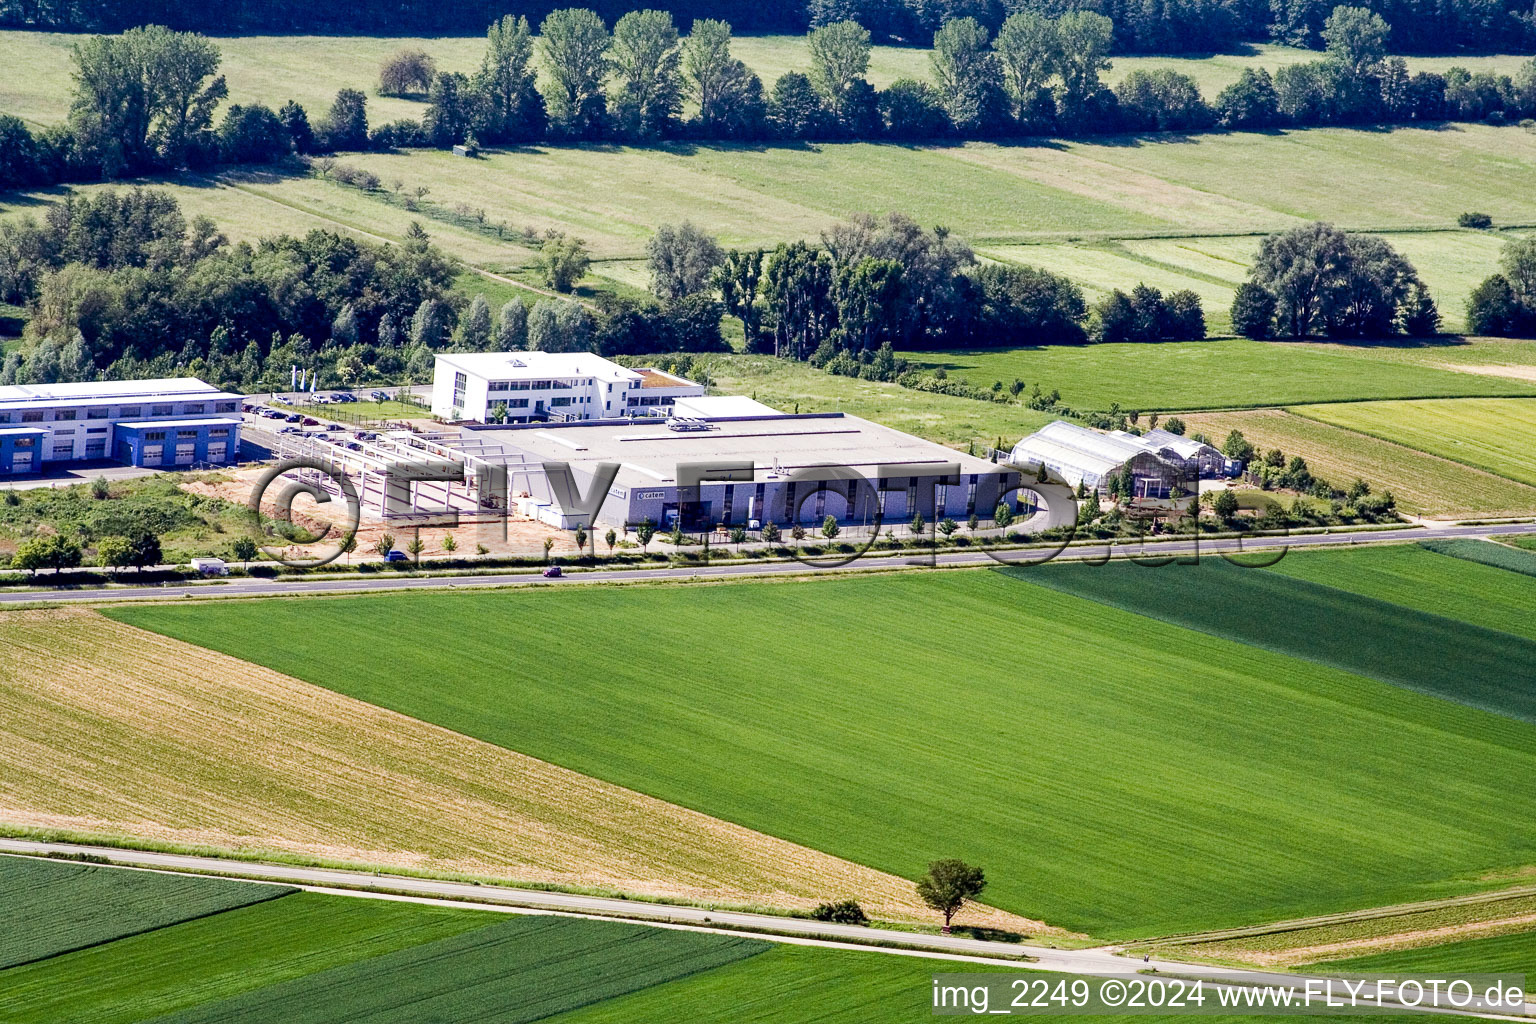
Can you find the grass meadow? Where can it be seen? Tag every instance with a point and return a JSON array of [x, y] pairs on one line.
[[1491, 434], [1114, 774], [1422, 484], [274, 69]]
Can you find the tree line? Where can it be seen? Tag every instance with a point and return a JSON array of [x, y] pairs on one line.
[[146, 100], [1142, 26], [121, 285]]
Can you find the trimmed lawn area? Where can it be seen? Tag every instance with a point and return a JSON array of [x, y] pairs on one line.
[[1113, 774], [1423, 484], [1489, 433]]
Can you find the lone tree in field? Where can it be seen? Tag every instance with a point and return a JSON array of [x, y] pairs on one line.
[[947, 886], [408, 72]]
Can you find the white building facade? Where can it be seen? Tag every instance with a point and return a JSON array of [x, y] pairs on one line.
[[555, 387], [178, 421]]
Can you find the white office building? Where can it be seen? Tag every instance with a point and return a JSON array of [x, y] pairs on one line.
[[549, 386], [178, 421]]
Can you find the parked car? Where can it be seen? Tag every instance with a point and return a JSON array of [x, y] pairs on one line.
[[553, 572], [294, 417], [354, 446], [396, 555], [289, 430], [378, 396], [335, 426], [310, 421]]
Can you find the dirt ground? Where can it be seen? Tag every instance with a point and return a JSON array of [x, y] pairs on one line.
[[511, 535]]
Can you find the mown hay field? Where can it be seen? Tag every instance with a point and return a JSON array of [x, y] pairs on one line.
[[1422, 484], [1228, 374], [52, 908], [109, 729], [1492, 434], [1113, 774]]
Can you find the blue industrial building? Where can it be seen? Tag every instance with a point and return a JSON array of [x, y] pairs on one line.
[[167, 422]]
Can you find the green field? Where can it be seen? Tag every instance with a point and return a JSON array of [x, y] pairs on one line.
[[1415, 577], [273, 69], [52, 907], [1086, 756], [1347, 631], [217, 957], [1518, 559], [788, 385], [305, 957], [1492, 434], [1235, 373], [1423, 484], [1498, 954]]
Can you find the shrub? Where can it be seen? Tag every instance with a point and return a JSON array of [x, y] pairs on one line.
[[1480, 221], [1253, 311], [841, 912]]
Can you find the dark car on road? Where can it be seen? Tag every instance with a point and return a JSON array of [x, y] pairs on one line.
[[396, 555], [553, 572]]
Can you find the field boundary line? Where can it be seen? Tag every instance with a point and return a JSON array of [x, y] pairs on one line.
[[1294, 411]]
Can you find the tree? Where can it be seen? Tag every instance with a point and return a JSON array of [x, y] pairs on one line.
[[1237, 446], [143, 549], [296, 122], [948, 885], [770, 532], [738, 536], [252, 135], [244, 549], [682, 260], [449, 110], [1517, 261], [1174, 425], [346, 126], [829, 528], [1029, 52], [1225, 505], [967, 76], [1417, 314], [50, 551], [429, 325], [475, 326], [1250, 103], [918, 524], [1002, 516], [839, 55], [450, 545], [1016, 306], [581, 539], [644, 532], [796, 110], [512, 326], [386, 544], [913, 110], [1300, 268], [512, 108], [349, 545], [558, 326], [564, 260], [646, 60], [611, 538], [143, 96], [797, 532], [416, 547], [575, 57], [407, 72], [1253, 311], [947, 527], [1084, 39], [113, 552], [1492, 308], [1090, 510], [1356, 37], [1184, 317], [737, 277]]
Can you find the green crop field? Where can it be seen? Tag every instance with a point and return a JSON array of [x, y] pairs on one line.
[[1416, 577], [1351, 632], [1234, 373], [52, 907], [1423, 484], [1113, 773], [788, 385], [517, 970], [217, 957], [1518, 559], [1498, 954], [1491, 434]]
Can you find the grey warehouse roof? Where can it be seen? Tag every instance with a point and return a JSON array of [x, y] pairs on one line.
[[649, 452]]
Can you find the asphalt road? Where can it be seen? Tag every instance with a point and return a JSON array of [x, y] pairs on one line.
[[1104, 962], [392, 581]]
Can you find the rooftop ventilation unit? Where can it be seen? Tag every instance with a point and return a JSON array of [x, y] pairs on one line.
[[685, 423]]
